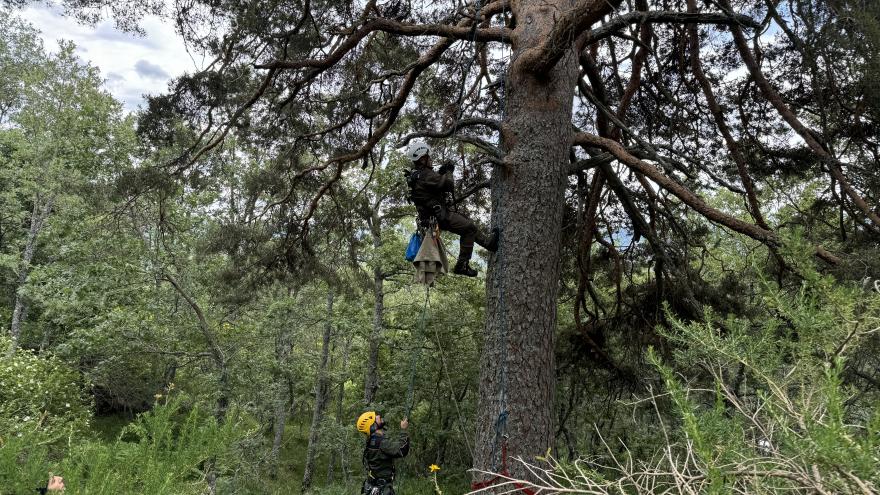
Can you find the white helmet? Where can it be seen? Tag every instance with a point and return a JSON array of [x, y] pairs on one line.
[[416, 150]]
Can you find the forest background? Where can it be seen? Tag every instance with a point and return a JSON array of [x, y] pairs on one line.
[[202, 296]]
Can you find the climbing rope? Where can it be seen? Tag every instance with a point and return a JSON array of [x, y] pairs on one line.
[[503, 476], [461, 422], [414, 359], [421, 328]]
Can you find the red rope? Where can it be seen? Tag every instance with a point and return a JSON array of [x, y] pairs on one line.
[[479, 485]]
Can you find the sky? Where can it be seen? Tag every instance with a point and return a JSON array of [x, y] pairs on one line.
[[131, 65]]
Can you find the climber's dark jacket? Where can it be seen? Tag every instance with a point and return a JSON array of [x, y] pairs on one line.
[[429, 188], [380, 453]]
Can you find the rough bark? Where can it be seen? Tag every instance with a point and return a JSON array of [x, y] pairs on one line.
[[518, 365], [38, 217], [321, 394], [371, 380], [573, 19]]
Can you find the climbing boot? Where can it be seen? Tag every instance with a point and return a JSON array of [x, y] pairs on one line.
[[489, 242], [462, 267]]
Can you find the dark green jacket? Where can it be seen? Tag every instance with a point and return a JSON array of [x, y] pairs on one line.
[[380, 452], [427, 187]]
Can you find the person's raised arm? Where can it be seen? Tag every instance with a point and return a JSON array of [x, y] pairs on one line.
[[397, 447]]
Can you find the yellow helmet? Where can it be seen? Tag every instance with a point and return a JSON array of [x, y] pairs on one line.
[[365, 421]]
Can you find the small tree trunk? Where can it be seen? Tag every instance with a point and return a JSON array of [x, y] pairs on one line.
[[281, 407], [371, 380], [321, 393], [340, 409], [225, 392], [338, 455], [38, 217], [331, 459]]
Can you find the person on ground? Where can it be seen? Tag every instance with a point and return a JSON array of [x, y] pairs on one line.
[[380, 452], [55, 484], [430, 190]]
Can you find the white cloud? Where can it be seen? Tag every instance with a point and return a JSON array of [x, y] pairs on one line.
[[132, 65]]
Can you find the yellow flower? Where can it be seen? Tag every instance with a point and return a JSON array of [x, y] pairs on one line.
[[434, 468], [158, 396]]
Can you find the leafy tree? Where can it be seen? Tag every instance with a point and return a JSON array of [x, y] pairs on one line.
[[63, 131]]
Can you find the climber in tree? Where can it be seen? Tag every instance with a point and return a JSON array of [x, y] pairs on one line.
[[428, 190], [380, 453]]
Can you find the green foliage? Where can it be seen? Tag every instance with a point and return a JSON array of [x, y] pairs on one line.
[[758, 403], [775, 382], [778, 407], [41, 397], [169, 450]]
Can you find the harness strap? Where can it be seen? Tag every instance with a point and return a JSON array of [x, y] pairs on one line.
[[366, 463]]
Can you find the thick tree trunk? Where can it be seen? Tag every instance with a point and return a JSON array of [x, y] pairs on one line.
[[321, 393], [518, 367], [38, 217], [371, 380]]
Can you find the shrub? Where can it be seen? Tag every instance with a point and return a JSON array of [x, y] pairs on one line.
[[757, 404], [42, 396]]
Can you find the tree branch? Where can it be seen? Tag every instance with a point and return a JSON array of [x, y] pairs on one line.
[[216, 351], [689, 198], [469, 122], [459, 31], [617, 23], [715, 109], [540, 59], [808, 135]]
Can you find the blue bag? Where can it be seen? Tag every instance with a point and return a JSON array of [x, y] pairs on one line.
[[415, 242]]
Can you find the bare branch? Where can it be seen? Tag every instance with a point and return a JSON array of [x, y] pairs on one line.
[[614, 25], [204, 326], [469, 122], [741, 165], [685, 195], [808, 135]]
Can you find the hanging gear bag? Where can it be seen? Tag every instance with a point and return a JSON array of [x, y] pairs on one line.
[[415, 242]]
